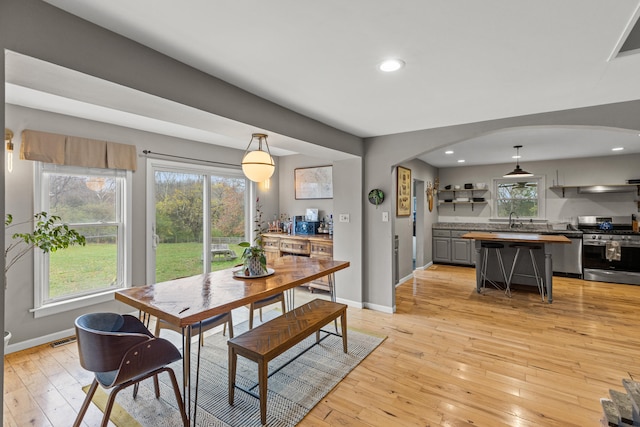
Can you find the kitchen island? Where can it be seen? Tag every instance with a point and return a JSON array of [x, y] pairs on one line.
[[545, 240]]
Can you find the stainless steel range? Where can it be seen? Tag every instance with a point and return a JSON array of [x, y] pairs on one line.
[[610, 249]]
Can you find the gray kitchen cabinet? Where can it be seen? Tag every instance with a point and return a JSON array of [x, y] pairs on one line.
[[441, 246], [449, 247], [460, 248]]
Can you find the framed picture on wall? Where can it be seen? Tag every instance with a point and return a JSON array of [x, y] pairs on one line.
[[403, 191], [314, 183]]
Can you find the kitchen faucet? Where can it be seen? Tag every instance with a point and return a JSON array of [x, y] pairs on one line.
[[511, 223]]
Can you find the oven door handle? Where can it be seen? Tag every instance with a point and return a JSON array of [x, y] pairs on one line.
[[595, 243], [622, 244]]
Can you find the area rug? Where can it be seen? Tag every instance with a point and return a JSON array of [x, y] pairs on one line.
[[292, 392]]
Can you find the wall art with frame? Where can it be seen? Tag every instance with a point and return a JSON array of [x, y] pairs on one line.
[[314, 182], [403, 191]]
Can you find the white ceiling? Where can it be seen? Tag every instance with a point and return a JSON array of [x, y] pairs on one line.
[[466, 61]]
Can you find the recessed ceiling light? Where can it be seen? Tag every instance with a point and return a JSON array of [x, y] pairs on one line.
[[448, 152], [390, 65], [461, 161], [617, 149]]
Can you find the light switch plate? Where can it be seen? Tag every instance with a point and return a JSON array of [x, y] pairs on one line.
[[385, 216], [344, 218]]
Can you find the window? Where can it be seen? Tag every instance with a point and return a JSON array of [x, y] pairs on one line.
[[92, 201], [522, 196], [196, 218]]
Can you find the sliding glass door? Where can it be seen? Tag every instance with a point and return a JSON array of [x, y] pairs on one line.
[[197, 217]]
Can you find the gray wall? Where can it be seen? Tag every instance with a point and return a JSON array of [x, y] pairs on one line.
[[423, 173], [570, 172], [347, 237], [37, 29]]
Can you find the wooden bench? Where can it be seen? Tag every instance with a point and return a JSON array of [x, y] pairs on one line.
[[276, 336]]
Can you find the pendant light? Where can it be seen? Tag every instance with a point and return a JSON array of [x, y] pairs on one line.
[[258, 165], [517, 172]]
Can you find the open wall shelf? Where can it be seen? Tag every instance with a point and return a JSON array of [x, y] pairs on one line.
[[453, 202]]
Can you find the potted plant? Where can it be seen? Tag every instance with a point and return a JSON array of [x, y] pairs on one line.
[[376, 196], [48, 234], [255, 261]]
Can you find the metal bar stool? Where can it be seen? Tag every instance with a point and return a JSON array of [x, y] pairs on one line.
[[486, 247], [536, 271]]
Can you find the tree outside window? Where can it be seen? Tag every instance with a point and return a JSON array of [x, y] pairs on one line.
[[521, 197], [91, 202]]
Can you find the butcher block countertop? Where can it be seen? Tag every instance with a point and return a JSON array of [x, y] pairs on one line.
[[517, 237]]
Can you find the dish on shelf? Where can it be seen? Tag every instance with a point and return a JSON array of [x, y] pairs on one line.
[[478, 199], [239, 273], [462, 199], [447, 187], [481, 185], [448, 200]]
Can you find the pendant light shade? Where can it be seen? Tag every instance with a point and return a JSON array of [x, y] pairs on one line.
[[258, 165], [517, 172]]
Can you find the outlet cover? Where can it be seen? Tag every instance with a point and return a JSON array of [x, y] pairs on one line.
[[385, 216], [344, 217]]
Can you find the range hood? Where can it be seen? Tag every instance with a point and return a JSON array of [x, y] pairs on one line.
[[607, 189]]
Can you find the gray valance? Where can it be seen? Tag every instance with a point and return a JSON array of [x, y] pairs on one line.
[[75, 151]]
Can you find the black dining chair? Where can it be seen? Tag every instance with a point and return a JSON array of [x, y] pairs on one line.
[[201, 327], [257, 305], [121, 352]]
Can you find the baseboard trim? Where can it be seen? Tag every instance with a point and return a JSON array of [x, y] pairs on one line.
[[350, 303], [381, 308], [424, 267], [45, 339], [404, 279]]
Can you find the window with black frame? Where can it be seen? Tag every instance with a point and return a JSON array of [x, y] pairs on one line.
[[522, 197]]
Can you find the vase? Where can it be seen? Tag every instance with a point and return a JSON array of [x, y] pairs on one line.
[[255, 266]]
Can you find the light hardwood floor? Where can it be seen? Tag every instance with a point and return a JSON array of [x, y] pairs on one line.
[[452, 357]]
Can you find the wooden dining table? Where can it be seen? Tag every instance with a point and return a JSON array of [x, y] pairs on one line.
[[187, 301]]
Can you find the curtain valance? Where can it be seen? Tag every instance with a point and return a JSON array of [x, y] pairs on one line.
[[75, 151]]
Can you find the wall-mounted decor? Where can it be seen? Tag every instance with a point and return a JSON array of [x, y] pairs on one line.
[[432, 190], [403, 192], [376, 197], [314, 183]]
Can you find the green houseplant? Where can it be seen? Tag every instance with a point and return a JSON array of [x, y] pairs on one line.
[[255, 261], [376, 197], [48, 234]]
